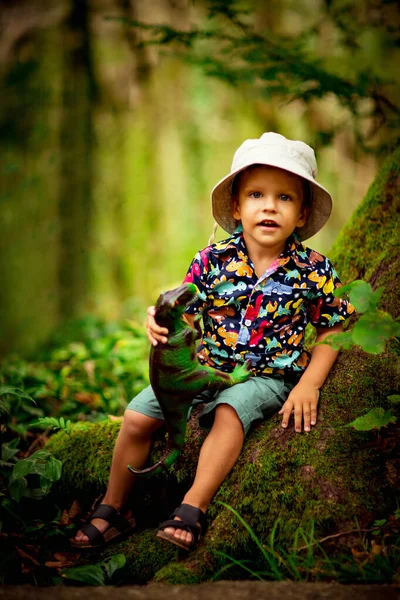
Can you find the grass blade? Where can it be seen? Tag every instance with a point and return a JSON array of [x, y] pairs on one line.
[[238, 563], [253, 536]]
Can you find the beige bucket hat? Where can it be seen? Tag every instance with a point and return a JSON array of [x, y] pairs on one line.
[[274, 150]]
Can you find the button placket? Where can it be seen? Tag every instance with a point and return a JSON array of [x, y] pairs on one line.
[[244, 334]]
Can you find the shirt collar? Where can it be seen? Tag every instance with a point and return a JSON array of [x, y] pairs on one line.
[[234, 242], [294, 249], [296, 252]]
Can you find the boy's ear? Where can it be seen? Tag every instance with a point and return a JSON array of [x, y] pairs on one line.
[[305, 211], [235, 209]]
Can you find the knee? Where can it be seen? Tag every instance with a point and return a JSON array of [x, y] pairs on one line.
[[136, 425]]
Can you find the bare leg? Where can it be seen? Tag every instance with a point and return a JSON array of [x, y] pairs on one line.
[[132, 447], [218, 455]]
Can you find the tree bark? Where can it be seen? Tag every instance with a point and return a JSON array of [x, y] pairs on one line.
[[77, 141]]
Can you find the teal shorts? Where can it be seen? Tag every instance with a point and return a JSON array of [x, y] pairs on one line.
[[256, 399]]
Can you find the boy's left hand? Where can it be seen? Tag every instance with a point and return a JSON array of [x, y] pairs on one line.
[[303, 400]]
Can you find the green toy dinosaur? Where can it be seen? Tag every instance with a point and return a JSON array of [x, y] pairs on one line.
[[176, 374]]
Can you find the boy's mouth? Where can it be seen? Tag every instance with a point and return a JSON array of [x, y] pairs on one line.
[[268, 223]]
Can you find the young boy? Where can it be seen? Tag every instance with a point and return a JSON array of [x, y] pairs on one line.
[[257, 290]]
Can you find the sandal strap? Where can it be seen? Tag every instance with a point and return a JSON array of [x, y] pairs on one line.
[[194, 530], [177, 525], [190, 516], [111, 515], [94, 535]]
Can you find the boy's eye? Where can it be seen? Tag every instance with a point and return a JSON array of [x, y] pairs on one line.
[[284, 197], [256, 194]]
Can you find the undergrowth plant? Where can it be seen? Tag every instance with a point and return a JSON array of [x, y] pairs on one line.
[[88, 371], [306, 559], [101, 573], [53, 423], [372, 330], [21, 477]]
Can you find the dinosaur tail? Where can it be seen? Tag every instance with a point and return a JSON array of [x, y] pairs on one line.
[[162, 465]]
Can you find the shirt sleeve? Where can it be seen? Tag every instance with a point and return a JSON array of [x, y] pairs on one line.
[[197, 274], [325, 309]]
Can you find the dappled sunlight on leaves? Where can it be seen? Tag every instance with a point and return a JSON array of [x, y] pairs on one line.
[[374, 419]]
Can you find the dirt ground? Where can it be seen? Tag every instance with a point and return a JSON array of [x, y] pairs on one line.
[[233, 590]]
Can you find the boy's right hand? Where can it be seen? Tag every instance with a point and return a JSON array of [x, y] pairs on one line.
[[154, 332]]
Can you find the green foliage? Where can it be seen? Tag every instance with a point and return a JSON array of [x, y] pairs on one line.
[[15, 472], [235, 47], [374, 327], [5, 403], [267, 553], [361, 294], [8, 452], [53, 423], [374, 419], [91, 369], [100, 573], [394, 398], [30, 477], [306, 560], [41, 463], [371, 331]]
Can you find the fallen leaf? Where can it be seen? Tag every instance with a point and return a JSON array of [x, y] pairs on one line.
[[65, 557], [26, 568], [23, 554], [377, 550], [64, 518], [74, 510], [360, 555], [68, 516]]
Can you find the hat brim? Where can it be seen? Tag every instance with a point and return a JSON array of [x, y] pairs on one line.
[[319, 211]]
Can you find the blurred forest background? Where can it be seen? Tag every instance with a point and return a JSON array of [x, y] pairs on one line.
[[117, 117]]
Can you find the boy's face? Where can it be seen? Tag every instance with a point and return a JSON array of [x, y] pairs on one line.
[[269, 203]]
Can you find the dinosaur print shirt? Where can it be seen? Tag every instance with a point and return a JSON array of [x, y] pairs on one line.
[[262, 318]]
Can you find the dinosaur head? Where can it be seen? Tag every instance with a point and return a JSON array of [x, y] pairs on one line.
[[172, 304]]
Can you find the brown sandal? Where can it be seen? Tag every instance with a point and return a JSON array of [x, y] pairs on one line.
[[119, 527], [190, 516]]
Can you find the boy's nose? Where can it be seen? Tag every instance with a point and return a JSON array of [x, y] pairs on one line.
[[269, 204]]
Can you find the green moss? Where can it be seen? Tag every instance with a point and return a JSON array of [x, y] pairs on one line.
[[86, 455], [367, 246], [145, 555], [177, 573]]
